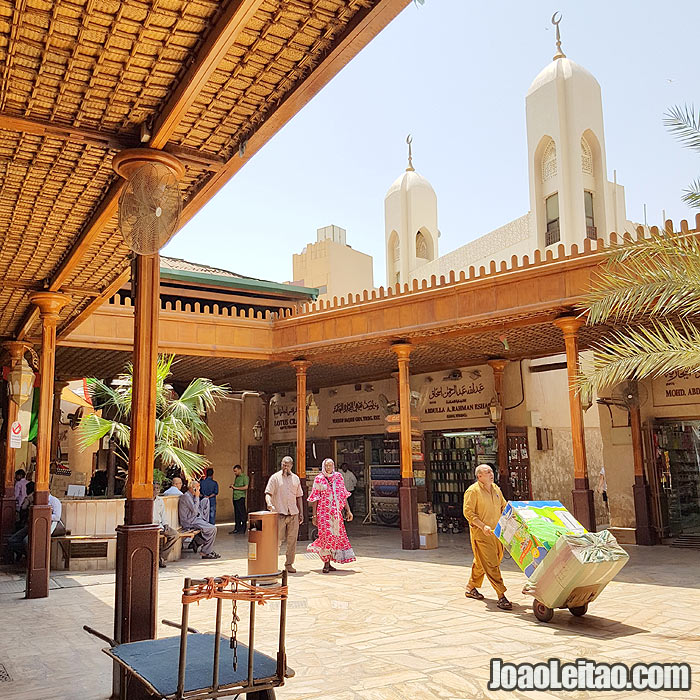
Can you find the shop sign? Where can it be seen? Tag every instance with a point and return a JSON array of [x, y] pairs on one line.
[[466, 399], [284, 418], [355, 412], [676, 388]]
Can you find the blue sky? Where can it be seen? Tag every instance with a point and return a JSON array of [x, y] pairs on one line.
[[454, 74]]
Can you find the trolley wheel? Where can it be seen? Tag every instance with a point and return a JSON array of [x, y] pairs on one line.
[[579, 610], [261, 695], [542, 612]]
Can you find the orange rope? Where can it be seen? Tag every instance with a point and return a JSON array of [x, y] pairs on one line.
[[232, 588]]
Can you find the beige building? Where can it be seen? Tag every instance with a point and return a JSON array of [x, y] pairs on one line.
[[332, 266]]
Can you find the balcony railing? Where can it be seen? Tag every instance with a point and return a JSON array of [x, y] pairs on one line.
[[592, 233], [552, 234]]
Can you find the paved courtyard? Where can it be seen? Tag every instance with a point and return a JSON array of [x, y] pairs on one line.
[[393, 625]]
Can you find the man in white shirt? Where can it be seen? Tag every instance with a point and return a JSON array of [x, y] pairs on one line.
[[170, 534], [175, 489], [350, 483], [18, 542], [283, 495]]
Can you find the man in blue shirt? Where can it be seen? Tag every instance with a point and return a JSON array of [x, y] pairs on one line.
[[209, 488]]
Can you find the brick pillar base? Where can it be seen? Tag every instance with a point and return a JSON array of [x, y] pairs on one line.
[[8, 514], [408, 508], [584, 510], [39, 546], [645, 533]]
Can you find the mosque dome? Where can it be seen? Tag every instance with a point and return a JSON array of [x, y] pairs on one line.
[[565, 68], [410, 180]]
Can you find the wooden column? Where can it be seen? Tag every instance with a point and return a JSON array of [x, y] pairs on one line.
[[39, 546], [136, 594], [408, 495], [301, 366], [58, 388], [498, 366], [584, 509], [8, 510], [645, 533], [265, 462]]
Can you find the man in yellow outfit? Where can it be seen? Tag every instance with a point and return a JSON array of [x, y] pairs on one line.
[[483, 505]]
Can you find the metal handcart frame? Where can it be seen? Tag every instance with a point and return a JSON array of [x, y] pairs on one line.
[[176, 668]]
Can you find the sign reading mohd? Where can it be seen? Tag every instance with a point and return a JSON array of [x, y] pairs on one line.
[[676, 388]]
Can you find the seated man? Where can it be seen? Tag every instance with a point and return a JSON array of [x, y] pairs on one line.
[[190, 519], [18, 542], [170, 534], [175, 489]]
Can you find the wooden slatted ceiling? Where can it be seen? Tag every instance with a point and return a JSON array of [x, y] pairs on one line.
[[208, 75]]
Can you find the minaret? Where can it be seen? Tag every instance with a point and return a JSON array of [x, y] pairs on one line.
[[569, 193], [410, 224]]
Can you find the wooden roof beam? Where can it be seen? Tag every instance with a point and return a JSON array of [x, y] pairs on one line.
[[365, 25], [214, 49]]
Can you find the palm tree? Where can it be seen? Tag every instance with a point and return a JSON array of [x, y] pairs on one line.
[[657, 277], [179, 419], [685, 125]]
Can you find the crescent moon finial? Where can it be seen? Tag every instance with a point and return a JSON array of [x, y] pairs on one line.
[[556, 19], [409, 141]]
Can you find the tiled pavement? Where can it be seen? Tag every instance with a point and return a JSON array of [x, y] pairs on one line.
[[393, 625]]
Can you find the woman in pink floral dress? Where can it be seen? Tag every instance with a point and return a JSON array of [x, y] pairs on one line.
[[329, 498]]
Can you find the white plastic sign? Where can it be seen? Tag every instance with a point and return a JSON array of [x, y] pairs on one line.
[[16, 435]]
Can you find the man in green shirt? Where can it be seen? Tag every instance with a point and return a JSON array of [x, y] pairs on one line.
[[240, 487]]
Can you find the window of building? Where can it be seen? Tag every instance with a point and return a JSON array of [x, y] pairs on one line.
[[586, 157], [591, 231], [421, 246], [552, 210], [549, 161]]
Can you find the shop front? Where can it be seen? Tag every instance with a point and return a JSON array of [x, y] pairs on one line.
[[674, 444]]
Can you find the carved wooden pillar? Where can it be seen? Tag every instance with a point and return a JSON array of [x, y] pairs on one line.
[[584, 509], [498, 366], [645, 533], [39, 535], [301, 366], [58, 388], [8, 510], [408, 495], [265, 462]]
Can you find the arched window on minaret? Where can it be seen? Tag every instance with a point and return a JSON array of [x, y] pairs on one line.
[[586, 157], [424, 248], [549, 161]]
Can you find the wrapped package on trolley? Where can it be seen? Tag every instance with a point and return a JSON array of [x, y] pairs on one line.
[[576, 569], [529, 529]]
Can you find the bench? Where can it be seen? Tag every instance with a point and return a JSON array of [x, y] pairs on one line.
[[83, 552]]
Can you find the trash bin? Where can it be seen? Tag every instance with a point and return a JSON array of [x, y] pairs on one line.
[[262, 542]]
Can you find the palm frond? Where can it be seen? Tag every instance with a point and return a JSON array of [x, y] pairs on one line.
[[93, 428], [642, 352], [691, 195], [103, 395], [190, 462], [684, 124], [658, 275]]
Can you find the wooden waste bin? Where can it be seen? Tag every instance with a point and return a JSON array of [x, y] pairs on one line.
[[262, 542]]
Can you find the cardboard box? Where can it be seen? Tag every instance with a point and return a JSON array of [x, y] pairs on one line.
[[577, 569], [427, 524], [529, 529], [428, 541]]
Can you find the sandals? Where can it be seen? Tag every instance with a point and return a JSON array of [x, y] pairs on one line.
[[504, 604], [473, 593], [327, 568], [211, 555]]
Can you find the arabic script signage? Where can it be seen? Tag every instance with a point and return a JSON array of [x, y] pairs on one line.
[[461, 402], [676, 388]]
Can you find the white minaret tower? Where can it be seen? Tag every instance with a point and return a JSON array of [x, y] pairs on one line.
[[569, 191], [410, 223]]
